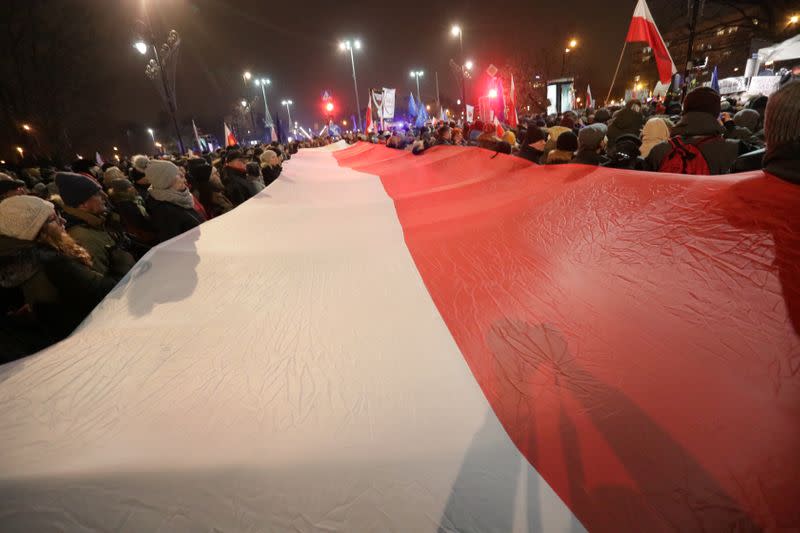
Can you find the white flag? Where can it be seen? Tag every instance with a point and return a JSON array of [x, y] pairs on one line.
[[388, 103], [470, 112]]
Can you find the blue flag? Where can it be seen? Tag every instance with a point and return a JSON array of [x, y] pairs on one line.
[[715, 80], [412, 107], [354, 123], [442, 115], [422, 115]]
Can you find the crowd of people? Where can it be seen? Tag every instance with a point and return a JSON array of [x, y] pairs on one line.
[[67, 236], [703, 135]]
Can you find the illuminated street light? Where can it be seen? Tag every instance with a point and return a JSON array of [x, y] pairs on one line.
[[115, 148], [455, 31], [567, 50], [244, 103], [417, 74], [458, 102], [348, 46], [573, 43], [794, 19], [428, 107], [492, 93], [287, 103], [247, 75], [469, 64], [26, 127], [141, 47], [20, 150]]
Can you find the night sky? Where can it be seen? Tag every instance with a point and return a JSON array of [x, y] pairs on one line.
[[296, 45]]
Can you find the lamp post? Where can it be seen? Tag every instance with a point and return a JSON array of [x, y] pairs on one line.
[[263, 82], [456, 31], [570, 46], [160, 65], [349, 46], [417, 74], [287, 103]]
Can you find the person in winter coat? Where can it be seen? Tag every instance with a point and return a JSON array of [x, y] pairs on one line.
[[132, 212], [53, 272], [745, 124], [138, 176], [110, 174], [208, 188], [10, 187], [591, 145], [698, 125], [624, 153], [85, 212], [566, 145], [655, 131], [533, 147], [270, 167], [629, 119], [234, 177], [782, 133], [170, 203], [254, 180]]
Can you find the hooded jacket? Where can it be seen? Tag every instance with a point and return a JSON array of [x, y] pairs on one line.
[[237, 188], [89, 231], [694, 127], [170, 219], [626, 120]]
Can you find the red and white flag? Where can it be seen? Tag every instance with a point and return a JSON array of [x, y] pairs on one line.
[[230, 138], [643, 30], [589, 100], [368, 123], [513, 119]]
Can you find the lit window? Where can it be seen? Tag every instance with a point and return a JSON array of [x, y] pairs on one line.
[[733, 29], [721, 31]]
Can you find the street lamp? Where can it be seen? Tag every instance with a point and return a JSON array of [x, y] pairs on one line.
[[573, 43], [469, 64], [152, 134], [244, 104], [287, 103], [263, 82], [246, 75], [417, 74], [26, 127], [456, 31], [570, 45], [794, 19], [20, 150], [163, 63], [348, 46]]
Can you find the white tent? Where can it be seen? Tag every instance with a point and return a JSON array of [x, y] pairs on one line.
[[785, 51]]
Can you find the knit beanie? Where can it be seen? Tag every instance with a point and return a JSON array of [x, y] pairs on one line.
[[567, 142], [747, 118], [140, 162], [591, 137], [162, 174], [534, 135], [782, 117], [602, 115], [112, 173], [510, 138], [703, 100], [199, 170], [75, 188], [22, 217]]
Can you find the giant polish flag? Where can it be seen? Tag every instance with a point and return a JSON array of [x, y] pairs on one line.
[[459, 341], [643, 29], [230, 138]]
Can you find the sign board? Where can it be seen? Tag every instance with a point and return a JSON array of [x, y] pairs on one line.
[[732, 85], [765, 85]]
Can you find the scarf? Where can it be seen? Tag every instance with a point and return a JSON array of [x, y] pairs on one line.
[[180, 198]]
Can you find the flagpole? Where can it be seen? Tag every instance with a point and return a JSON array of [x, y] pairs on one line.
[[614, 79]]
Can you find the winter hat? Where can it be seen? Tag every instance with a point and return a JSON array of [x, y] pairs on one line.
[[83, 166], [234, 155], [510, 138], [22, 217], [703, 100], [140, 162], [8, 184], [75, 188], [268, 157], [602, 115], [534, 135], [568, 122], [759, 103], [120, 185], [567, 142], [782, 118], [628, 144], [591, 137], [112, 173], [161, 174], [199, 170], [747, 118]]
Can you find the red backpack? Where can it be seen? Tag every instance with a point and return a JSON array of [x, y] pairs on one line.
[[686, 158]]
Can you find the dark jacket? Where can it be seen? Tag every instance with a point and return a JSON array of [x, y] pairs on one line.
[[133, 215], [694, 127], [236, 187], [623, 160], [784, 162], [142, 189], [106, 248], [531, 154], [624, 121], [60, 290], [750, 161], [590, 157], [270, 173], [171, 220]]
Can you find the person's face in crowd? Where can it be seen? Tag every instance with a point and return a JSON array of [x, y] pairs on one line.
[[96, 204], [238, 164], [447, 134], [180, 183], [55, 221]]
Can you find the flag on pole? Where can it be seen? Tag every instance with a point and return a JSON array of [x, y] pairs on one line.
[[513, 118], [230, 139], [368, 122], [589, 100], [501, 101], [422, 115], [643, 30], [412, 106], [98, 159], [442, 114], [715, 80], [498, 129], [200, 143], [273, 134]]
